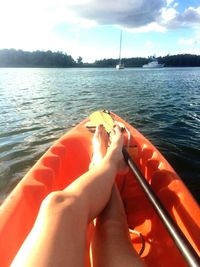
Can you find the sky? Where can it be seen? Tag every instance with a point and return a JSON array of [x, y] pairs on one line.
[[91, 28]]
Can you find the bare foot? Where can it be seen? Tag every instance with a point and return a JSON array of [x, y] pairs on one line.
[[113, 153], [115, 150], [100, 145]]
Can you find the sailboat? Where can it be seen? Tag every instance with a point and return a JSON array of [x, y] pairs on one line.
[[120, 66]]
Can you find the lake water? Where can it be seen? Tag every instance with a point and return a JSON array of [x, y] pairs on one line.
[[37, 106]]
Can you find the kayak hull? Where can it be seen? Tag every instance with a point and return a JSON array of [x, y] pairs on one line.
[[69, 158]]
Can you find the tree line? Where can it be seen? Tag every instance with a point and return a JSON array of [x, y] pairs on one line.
[[49, 59], [20, 58], [183, 60]]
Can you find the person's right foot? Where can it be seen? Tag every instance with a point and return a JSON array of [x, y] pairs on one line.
[[115, 150]]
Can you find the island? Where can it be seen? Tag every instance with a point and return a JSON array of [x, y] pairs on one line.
[[48, 59]]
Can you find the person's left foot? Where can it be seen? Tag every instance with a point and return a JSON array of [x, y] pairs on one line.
[[100, 145]]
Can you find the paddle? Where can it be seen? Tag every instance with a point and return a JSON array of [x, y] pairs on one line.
[[191, 257]]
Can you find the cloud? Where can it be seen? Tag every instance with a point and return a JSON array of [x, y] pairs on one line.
[[37, 24], [190, 41], [169, 2], [190, 17], [168, 14], [126, 13], [136, 15]]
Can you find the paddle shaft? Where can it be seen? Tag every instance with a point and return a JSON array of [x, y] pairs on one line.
[[182, 243]]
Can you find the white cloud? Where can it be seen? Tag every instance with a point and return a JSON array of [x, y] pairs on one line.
[[151, 27], [39, 18], [32, 25], [175, 5], [190, 41], [189, 18], [169, 2], [168, 14], [136, 15]]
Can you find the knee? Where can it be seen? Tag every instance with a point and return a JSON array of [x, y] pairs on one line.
[[65, 204], [60, 200]]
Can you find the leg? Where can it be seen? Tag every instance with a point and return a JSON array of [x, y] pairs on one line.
[[111, 245], [58, 237]]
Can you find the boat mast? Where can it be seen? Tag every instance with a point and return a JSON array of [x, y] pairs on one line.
[[120, 48]]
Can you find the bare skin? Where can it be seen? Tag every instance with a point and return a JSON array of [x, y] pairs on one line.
[[100, 142], [111, 244], [58, 237]]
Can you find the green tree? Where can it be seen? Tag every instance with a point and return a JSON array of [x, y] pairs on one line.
[[79, 61]]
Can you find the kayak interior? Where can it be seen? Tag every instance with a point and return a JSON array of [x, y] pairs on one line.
[[68, 158]]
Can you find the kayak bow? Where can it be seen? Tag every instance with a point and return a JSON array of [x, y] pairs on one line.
[[68, 158]]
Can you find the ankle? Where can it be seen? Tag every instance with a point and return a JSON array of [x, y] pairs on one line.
[[109, 163]]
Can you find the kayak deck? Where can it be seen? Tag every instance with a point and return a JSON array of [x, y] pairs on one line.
[[69, 158]]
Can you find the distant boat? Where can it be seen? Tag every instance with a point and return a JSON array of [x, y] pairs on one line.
[[153, 64], [120, 65]]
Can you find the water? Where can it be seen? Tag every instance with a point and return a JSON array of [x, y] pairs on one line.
[[37, 106]]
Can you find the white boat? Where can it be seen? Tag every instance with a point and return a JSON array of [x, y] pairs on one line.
[[153, 64], [120, 66]]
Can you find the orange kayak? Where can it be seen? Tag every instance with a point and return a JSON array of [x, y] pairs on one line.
[[68, 158]]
